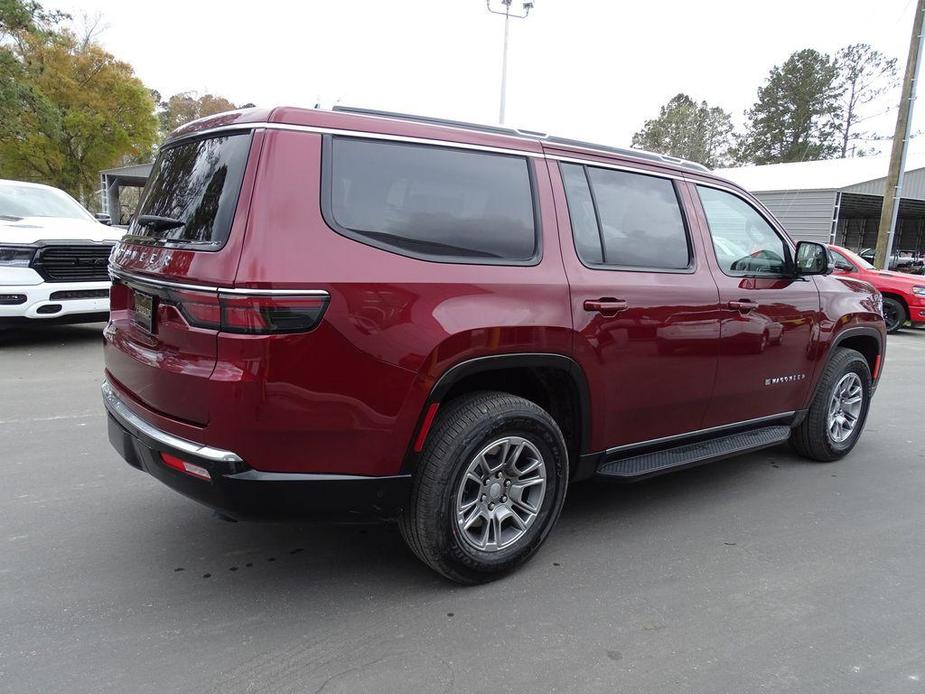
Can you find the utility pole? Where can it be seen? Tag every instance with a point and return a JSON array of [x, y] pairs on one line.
[[527, 6], [894, 180]]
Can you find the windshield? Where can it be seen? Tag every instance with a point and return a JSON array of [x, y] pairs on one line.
[[856, 260], [27, 201], [192, 191]]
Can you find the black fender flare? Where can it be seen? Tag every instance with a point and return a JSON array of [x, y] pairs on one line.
[[857, 331], [838, 339], [499, 362]]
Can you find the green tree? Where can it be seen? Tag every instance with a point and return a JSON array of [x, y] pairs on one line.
[[67, 107], [796, 115], [864, 74], [182, 108], [689, 130]]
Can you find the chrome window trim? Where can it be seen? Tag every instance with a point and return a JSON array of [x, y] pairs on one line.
[[354, 133], [264, 125], [116, 273], [121, 412], [698, 432]]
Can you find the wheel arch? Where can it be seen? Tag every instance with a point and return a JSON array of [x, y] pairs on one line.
[[864, 339], [896, 296], [555, 382]]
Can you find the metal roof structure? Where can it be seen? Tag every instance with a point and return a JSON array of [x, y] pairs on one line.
[[864, 175]]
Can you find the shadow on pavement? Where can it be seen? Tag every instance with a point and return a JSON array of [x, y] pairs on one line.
[[179, 537], [45, 335]]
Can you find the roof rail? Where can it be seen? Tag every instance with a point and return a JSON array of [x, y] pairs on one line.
[[528, 134], [628, 152], [494, 129]]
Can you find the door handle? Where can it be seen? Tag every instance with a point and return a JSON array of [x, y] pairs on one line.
[[605, 306], [743, 305]]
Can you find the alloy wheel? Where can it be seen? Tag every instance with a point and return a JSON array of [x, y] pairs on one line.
[[500, 494], [845, 407]]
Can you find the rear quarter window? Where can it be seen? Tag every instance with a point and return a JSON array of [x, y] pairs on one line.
[[431, 202], [196, 184]]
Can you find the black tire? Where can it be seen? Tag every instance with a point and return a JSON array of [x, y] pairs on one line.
[[894, 314], [464, 427], [812, 438]]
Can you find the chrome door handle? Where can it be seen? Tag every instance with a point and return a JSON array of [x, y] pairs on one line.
[[606, 306], [743, 305]]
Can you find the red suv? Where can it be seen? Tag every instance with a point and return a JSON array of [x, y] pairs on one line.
[[903, 294], [351, 314]]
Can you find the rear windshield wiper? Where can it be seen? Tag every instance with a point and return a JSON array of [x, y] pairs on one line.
[[159, 222]]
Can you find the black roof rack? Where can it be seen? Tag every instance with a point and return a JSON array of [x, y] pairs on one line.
[[514, 132]]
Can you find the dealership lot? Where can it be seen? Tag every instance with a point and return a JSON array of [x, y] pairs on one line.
[[761, 573]]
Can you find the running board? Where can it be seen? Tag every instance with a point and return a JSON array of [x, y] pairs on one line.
[[636, 467]]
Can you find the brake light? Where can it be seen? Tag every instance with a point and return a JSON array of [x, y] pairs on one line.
[[257, 314]]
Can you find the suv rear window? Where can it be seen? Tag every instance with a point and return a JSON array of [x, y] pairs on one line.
[[625, 220], [432, 202], [192, 192]]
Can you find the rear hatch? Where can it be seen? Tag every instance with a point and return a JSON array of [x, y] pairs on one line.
[[182, 244]]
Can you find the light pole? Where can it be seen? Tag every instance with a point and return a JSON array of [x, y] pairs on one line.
[[527, 5]]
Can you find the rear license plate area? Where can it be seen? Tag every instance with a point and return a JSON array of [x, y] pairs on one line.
[[143, 310]]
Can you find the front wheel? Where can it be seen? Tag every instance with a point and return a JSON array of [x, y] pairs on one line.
[[838, 411], [489, 488], [894, 314]]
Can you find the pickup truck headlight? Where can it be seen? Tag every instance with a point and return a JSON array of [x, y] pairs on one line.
[[918, 291], [16, 256]]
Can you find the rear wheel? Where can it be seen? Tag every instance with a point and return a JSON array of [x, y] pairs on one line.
[[837, 414], [894, 314], [489, 488]]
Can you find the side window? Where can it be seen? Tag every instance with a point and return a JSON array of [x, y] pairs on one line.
[[745, 243], [581, 214], [625, 220], [840, 262], [432, 202]]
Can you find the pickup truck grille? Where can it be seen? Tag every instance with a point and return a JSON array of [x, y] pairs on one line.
[[87, 263]]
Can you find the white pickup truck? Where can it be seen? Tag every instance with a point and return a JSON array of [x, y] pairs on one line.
[[53, 257]]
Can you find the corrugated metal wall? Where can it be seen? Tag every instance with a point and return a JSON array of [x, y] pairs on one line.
[[913, 186], [860, 233], [805, 214]]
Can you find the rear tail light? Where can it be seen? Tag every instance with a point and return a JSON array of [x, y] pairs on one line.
[[256, 314], [185, 466]]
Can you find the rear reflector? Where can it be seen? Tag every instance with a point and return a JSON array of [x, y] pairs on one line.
[[425, 427], [184, 466], [876, 367], [255, 314]]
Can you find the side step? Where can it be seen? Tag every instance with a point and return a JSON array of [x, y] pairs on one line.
[[640, 466]]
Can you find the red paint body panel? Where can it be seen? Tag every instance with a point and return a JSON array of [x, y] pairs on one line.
[[897, 284], [350, 396], [651, 367]]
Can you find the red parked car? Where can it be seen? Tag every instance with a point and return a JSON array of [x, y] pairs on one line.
[[903, 294], [354, 314]]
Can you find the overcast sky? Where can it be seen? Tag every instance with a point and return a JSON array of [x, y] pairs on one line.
[[595, 69]]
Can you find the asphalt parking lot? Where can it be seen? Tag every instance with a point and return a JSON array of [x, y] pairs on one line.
[[759, 574]]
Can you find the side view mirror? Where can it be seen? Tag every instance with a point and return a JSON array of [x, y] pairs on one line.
[[813, 259], [103, 218]]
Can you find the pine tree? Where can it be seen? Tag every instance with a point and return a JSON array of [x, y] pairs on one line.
[[689, 130], [796, 115]]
